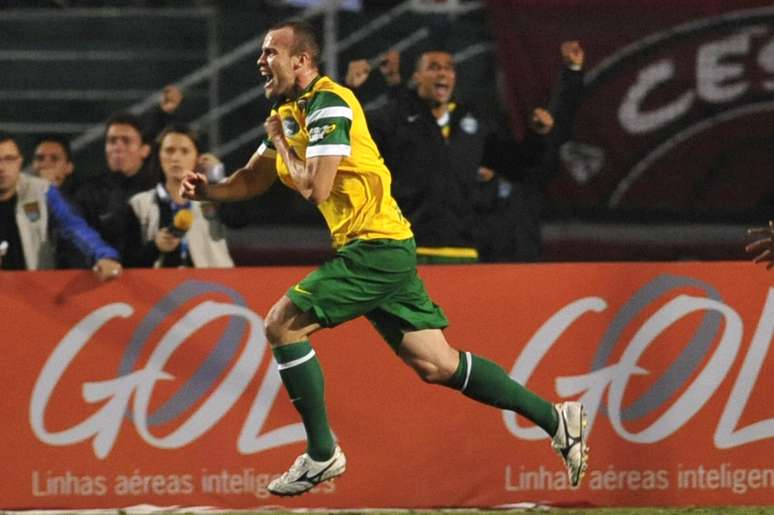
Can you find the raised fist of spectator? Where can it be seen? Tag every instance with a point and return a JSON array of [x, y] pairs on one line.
[[357, 73], [485, 174], [359, 70], [541, 121], [390, 67], [171, 97]]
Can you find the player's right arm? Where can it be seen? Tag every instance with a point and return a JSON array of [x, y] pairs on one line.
[[255, 178]]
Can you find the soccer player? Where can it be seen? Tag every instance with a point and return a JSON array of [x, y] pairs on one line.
[[318, 144]]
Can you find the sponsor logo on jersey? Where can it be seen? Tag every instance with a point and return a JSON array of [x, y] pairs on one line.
[[318, 133]]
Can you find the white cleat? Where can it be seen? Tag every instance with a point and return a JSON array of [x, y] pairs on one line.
[[306, 473], [570, 439]]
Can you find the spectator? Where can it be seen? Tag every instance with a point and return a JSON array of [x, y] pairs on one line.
[[168, 230], [102, 199], [493, 198], [30, 208], [433, 145], [510, 195], [165, 112], [52, 160]]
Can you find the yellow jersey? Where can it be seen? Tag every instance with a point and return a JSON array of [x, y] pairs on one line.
[[328, 120]]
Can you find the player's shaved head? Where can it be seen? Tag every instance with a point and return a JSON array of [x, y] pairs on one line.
[[305, 39]]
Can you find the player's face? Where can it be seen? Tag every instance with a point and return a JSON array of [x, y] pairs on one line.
[[124, 149], [50, 162], [276, 64], [436, 77], [10, 168], [177, 155]]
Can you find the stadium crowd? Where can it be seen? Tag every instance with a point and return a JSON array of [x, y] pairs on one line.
[[471, 190]]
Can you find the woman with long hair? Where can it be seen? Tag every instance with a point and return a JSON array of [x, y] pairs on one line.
[[171, 231]]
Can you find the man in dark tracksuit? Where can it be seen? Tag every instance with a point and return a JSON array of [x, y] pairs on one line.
[[467, 188], [433, 146], [102, 199]]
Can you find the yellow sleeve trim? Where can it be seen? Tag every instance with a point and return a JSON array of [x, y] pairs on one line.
[[454, 252]]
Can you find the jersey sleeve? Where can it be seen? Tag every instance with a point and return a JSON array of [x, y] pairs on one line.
[[266, 148], [328, 122]]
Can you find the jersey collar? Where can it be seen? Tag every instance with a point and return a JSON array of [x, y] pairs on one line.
[[309, 87]]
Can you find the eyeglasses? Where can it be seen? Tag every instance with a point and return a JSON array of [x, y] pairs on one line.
[[9, 159]]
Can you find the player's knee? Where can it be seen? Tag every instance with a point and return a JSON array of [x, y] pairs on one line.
[[432, 373], [274, 328], [273, 335]]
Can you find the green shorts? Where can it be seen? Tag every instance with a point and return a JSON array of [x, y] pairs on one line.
[[374, 278]]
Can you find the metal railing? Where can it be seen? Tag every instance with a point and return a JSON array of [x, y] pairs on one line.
[[209, 73], [50, 56]]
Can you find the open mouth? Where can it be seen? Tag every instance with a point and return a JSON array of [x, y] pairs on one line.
[[441, 88], [268, 78]]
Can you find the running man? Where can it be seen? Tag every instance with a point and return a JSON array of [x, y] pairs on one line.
[[318, 144]]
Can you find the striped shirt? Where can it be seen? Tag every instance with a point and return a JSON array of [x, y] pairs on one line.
[[327, 120]]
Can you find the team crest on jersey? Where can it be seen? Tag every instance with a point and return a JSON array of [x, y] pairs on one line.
[[469, 124], [32, 211], [289, 126], [318, 133]]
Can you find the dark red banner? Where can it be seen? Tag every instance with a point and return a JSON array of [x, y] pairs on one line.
[[679, 104]]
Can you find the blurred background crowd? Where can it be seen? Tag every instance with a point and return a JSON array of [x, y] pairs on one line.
[[568, 131]]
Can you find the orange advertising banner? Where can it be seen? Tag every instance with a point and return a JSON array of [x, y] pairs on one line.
[[160, 388]]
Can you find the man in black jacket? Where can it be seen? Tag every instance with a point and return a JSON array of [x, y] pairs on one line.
[[102, 199], [470, 191], [433, 146]]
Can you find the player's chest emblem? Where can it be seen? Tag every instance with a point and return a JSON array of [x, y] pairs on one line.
[[290, 127]]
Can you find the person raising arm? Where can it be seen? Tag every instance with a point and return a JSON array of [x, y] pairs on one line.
[[319, 138]]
